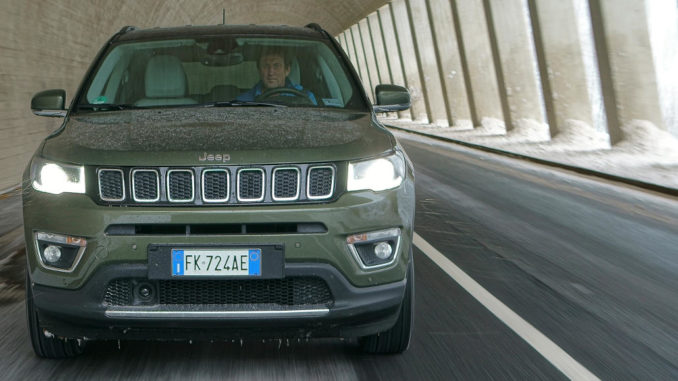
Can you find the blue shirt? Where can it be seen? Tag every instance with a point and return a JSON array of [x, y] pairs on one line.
[[258, 89]]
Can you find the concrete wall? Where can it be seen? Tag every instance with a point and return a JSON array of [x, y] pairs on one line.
[[535, 65]]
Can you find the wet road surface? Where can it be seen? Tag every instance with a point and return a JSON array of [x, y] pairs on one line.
[[591, 265]]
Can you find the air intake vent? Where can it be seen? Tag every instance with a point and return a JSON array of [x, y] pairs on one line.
[[291, 291], [251, 184], [320, 184], [215, 185], [180, 185], [285, 184], [111, 185], [145, 185]]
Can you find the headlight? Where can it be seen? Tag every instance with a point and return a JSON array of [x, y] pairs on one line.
[[376, 174], [56, 178]]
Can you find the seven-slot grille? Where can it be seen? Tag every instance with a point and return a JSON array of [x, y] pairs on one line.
[[251, 184], [320, 182], [180, 185], [217, 185], [111, 185], [145, 185], [285, 184]]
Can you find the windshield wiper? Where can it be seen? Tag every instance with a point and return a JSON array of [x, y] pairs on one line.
[[242, 104], [108, 106]]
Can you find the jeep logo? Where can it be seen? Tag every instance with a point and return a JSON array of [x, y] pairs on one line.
[[222, 157]]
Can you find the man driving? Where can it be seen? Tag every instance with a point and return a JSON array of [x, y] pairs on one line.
[[274, 66]]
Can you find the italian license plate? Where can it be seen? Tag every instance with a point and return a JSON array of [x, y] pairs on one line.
[[216, 262]]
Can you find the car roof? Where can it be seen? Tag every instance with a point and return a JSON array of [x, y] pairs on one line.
[[132, 34]]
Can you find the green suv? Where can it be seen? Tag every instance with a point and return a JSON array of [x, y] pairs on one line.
[[219, 182]]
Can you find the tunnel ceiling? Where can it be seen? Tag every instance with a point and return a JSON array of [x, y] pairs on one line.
[[334, 16]]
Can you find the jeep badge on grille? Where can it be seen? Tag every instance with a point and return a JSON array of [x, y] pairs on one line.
[[222, 157]]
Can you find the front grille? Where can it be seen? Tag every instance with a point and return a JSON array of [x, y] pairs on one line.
[[180, 185], [251, 184], [285, 184], [217, 185], [320, 182], [145, 185], [118, 293], [111, 185], [292, 291]]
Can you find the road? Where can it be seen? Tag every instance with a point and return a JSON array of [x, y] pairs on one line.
[[592, 265]]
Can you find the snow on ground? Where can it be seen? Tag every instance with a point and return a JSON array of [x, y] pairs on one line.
[[646, 153]]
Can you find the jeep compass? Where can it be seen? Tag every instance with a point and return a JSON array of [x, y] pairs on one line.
[[184, 197]]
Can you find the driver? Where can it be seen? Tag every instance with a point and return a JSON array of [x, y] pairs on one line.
[[274, 66]]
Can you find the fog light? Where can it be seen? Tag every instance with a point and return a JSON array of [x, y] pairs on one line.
[[52, 253], [375, 249], [59, 252], [382, 250]]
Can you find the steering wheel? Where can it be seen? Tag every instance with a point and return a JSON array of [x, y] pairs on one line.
[[284, 90]]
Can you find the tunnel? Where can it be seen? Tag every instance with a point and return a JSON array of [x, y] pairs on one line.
[[544, 139]]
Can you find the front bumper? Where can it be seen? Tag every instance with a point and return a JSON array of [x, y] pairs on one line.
[[355, 212], [70, 304], [355, 311]]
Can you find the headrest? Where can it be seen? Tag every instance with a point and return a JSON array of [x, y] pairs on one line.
[[294, 75], [165, 77]]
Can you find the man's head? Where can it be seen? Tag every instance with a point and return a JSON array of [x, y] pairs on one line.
[[274, 67]]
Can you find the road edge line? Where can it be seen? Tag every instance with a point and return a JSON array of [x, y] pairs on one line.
[[560, 359]]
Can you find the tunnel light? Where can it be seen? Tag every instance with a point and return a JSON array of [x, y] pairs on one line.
[[376, 174], [56, 178]]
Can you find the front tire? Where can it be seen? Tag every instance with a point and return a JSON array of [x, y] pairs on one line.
[[397, 339], [48, 347]]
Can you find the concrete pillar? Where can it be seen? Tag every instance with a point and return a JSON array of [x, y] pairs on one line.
[[350, 50], [436, 107], [392, 49], [372, 69], [474, 43], [515, 50], [360, 58], [379, 51], [449, 62], [342, 42], [626, 64], [664, 39], [401, 23], [561, 63]]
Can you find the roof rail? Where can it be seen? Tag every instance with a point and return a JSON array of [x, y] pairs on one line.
[[315, 27], [126, 29]]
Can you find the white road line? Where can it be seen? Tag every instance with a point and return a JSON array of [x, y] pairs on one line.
[[542, 344]]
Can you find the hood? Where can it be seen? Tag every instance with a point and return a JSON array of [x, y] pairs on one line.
[[188, 136]]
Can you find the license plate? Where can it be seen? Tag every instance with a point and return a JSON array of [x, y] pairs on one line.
[[216, 262]]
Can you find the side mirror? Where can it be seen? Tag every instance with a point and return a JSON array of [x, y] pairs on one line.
[[49, 103], [391, 98]]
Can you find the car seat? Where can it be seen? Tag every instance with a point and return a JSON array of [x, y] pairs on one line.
[[165, 82]]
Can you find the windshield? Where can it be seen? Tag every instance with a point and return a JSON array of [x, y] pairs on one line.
[[221, 71]]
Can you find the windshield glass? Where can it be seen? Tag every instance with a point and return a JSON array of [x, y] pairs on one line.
[[221, 71]]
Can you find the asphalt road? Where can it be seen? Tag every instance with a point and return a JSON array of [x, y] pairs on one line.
[[592, 265]]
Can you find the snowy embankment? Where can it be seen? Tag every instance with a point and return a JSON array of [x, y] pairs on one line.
[[646, 153]]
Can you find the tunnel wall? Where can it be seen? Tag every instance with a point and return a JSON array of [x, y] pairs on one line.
[[50, 45], [539, 67]]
